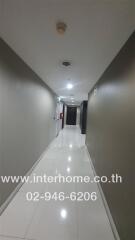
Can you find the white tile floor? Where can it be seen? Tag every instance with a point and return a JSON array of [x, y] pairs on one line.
[[43, 220]]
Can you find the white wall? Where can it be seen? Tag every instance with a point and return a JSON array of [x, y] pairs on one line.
[[59, 109], [78, 116], [65, 115]]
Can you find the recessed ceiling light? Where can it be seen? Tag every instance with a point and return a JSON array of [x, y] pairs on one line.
[[69, 86]]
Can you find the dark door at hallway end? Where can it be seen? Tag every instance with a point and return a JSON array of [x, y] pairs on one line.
[[71, 115]]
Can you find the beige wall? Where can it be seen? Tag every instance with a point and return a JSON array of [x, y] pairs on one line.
[[111, 136], [27, 111]]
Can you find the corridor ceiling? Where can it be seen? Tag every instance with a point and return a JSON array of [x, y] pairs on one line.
[[96, 30]]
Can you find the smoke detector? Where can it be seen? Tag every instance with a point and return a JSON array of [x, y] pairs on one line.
[[61, 27]]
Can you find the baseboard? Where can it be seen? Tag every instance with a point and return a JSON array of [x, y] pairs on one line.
[[17, 188], [112, 224]]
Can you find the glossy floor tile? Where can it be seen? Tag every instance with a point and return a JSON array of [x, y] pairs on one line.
[[55, 219]]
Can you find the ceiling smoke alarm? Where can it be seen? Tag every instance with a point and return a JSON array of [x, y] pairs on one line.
[[61, 27]]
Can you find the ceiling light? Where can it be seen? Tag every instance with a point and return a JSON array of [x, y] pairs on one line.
[[69, 86]]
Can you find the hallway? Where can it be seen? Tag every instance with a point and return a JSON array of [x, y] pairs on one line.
[[67, 111], [59, 220]]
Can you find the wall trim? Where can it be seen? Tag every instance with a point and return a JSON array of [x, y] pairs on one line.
[[17, 188], [112, 224]]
